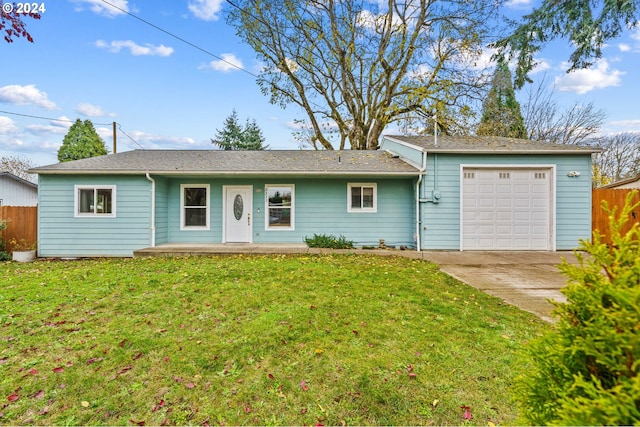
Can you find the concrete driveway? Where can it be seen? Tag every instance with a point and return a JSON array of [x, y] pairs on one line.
[[524, 279]]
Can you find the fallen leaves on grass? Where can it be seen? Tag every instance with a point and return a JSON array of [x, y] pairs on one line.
[[467, 412]]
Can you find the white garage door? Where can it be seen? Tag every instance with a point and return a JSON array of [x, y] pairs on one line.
[[506, 209]]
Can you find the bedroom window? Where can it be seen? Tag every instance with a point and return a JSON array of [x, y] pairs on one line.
[[194, 206], [362, 197], [280, 207], [95, 201]]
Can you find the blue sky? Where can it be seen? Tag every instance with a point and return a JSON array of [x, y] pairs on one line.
[[91, 61]]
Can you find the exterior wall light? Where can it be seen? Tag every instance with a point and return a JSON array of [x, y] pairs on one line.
[[573, 174]]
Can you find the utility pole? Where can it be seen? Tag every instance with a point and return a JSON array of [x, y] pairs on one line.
[[114, 138]]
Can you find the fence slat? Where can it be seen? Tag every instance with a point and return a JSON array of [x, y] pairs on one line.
[[614, 198], [22, 223]]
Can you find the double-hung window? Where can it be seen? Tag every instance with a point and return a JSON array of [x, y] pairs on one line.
[[362, 197], [194, 206], [280, 207], [95, 201]]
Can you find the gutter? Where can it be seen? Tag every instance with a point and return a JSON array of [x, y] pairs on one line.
[[153, 209], [423, 169], [224, 173]]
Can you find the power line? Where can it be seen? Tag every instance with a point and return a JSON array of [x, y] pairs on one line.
[[134, 141], [180, 38], [49, 118], [72, 121]]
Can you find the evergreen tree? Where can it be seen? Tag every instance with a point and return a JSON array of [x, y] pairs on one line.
[[236, 137], [501, 115], [81, 142], [584, 370]]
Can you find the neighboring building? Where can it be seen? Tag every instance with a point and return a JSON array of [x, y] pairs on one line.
[[459, 194], [15, 191], [629, 183]]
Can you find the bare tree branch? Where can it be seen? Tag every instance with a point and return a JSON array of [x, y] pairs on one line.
[[362, 65], [546, 122]]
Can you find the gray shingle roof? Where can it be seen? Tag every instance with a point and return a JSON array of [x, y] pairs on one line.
[[489, 144], [217, 162]]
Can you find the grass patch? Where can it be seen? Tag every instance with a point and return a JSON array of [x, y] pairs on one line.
[[253, 340]]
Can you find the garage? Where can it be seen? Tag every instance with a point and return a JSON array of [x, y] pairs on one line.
[[507, 208]]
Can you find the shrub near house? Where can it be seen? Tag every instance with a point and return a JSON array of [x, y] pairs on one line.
[[587, 368]]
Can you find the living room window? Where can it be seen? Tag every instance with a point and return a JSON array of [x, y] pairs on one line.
[[362, 197], [95, 201], [194, 206], [280, 207]]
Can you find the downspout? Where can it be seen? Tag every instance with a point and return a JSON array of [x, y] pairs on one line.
[[153, 210], [423, 168]]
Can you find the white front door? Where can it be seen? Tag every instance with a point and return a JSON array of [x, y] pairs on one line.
[[237, 213]]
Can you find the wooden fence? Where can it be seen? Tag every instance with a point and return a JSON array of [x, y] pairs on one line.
[[22, 223], [614, 197]]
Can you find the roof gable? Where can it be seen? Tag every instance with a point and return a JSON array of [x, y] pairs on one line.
[[624, 182], [17, 179]]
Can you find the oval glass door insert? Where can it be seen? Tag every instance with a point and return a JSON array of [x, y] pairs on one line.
[[238, 207]]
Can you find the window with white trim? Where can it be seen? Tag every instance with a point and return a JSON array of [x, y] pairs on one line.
[[95, 201], [194, 206], [362, 197], [280, 207]]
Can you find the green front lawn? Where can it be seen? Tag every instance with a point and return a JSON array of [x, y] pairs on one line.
[[261, 340]]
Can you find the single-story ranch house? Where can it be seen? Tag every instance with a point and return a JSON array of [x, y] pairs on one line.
[[451, 193]]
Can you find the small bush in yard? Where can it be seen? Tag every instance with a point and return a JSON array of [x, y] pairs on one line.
[[586, 368], [4, 256], [328, 241]]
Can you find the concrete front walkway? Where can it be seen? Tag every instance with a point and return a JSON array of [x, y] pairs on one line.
[[526, 279]]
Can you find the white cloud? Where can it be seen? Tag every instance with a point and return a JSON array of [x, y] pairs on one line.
[[585, 80], [518, 4], [229, 62], [150, 141], [626, 123], [541, 66], [207, 10], [135, 49], [7, 126], [26, 95], [101, 8], [624, 47], [90, 110], [58, 127]]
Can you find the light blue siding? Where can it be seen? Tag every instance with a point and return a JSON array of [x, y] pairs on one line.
[[407, 153], [320, 207], [61, 234], [441, 221], [162, 210]]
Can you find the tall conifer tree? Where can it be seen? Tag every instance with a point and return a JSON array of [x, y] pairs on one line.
[[81, 142], [236, 137], [501, 115]]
